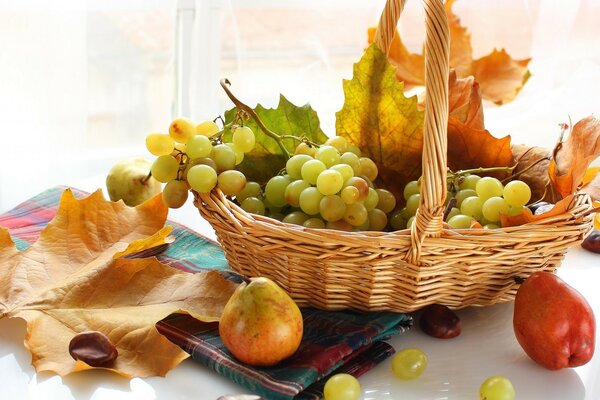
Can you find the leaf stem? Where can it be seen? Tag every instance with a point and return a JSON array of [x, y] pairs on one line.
[[225, 85], [482, 170]]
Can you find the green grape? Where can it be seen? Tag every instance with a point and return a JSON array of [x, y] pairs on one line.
[[469, 182], [164, 168], [409, 363], [463, 194], [310, 200], [350, 194], [387, 201], [355, 150], [360, 184], [275, 190], [488, 187], [207, 128], [244, 139], [493, 207], [239, 155], [352, 160], [311, 169], [253, 205], [199, 161], [412, 204], [224, 157], [277, 215], [332, 208], [340, 225], [460, 221], [471, 206], [410, 222], [377, 220], [356, 214], [371, 200], [198, 147], [293, 166], [345, 170], [514, 211], [364, 227], [517, 193], [368, 168], [453, 211], [305, 148], [182, 130], [231, 182], [328, 155], [342, 387], [412, 187], [490, 226], [252, 189], [497, 387], [339, 143], [175, 194], [398, 220], [293, 190], [296, 218], [160, 144], [202, 178], [330, 182], [316, 223]]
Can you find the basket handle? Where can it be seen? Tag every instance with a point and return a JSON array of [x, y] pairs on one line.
[[429, 218]]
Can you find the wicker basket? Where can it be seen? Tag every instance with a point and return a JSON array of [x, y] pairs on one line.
[[403, 270]]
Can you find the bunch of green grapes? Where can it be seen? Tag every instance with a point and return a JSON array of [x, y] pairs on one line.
[[330, 186], [476, 199], [193, 157]]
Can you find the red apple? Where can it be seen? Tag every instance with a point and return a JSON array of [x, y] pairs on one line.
[[553, 322]]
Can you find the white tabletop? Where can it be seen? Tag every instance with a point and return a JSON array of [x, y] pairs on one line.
[[457, 367]]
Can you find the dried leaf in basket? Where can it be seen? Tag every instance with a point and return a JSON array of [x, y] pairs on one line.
[[267, 159], [591, 183], [381, 121], [527, 216], [500, 76], [464, 101], [535, 161], [573, 156], [69, 282]]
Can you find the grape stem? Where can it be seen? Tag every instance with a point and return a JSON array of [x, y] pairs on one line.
[[225, 85]]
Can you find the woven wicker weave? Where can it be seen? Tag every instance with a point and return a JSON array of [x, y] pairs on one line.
[[408, 269]]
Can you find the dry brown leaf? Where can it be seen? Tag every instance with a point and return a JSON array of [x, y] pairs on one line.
[[591, 183], [474, 148], [536, 176], [67, 283], [527, 216], [573, 156], [464, 101], [500, 76]]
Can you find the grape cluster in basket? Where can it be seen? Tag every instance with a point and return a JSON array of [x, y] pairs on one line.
[[471, 200], [322, 186]]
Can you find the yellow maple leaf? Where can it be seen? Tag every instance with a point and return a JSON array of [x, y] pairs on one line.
[[68, 282]]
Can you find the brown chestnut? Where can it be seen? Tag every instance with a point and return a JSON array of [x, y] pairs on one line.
[[94, 348], [592, 242], [440, 322]]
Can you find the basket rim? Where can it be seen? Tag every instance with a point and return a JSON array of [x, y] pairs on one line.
[[578, 210]]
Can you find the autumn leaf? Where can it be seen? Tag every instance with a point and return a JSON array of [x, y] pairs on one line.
[[388, 127], [501, 78], [573, 156], [464, 101], [527, 216], [267, 158], [381, 121], [534, 161], [591, 183], [68, 282]]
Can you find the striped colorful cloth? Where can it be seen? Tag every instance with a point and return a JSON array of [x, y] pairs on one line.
[[333, 342]]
